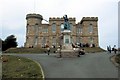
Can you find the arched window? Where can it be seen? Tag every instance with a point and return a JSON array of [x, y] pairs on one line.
[[53, 27], [71, 25]]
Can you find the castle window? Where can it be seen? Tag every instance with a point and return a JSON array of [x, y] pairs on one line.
[[91, 40], [62, 26], [53, 27], [54, 41], [36, 24], [36, 40], [79, 29], [71, 26], [36, 29], [43, 41], [40, 29], [67, 41], [28, 30], [90, 28], [45, 30], [81, 41]]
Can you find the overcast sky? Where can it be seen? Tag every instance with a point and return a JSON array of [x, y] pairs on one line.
[[13, 14]]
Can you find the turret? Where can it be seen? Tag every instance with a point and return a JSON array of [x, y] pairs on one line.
[[34, 22]]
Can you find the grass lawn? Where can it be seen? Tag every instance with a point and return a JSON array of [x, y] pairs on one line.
[[18, 67], [29, 50], [93, 50], [52, 50]]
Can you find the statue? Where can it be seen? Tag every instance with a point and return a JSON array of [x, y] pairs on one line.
[[66, 23]]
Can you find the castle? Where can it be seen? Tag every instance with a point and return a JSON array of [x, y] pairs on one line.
[[39, 34]]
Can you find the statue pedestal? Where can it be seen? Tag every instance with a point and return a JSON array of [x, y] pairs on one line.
[[67, 50]]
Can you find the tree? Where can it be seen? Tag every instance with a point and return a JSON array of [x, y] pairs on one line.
[[9, 42], [1, 44]]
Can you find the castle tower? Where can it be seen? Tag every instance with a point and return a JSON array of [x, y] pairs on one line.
[[90, 30], [33, 28]]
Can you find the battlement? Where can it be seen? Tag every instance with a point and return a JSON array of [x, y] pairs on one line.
[[60, 18], [89, 19], [34, 16]]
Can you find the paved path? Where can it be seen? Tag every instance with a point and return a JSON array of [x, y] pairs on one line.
[[88, 66]]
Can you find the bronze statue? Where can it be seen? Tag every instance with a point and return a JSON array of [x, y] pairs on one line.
[[66, 23]]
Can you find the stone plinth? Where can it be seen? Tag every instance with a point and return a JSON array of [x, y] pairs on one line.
[[67, 53], [66, 48]]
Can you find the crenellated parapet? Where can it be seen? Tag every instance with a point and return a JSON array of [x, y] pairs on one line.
[[89, 19], [34, 16], [60, 19]]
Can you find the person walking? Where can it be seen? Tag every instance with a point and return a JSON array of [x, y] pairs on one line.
[[48, 50], [79, 52], [114, 49], [109, 48]]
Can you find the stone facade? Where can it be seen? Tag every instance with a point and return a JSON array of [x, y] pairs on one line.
[[38, 34]]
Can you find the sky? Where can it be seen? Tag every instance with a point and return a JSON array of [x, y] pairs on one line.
[[119, 25], [13, 16]]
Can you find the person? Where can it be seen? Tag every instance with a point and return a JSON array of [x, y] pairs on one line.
[[73, 45], [82, 51], [48, 50], [114, 49], [109, 49], [60, 51], [79, 53]]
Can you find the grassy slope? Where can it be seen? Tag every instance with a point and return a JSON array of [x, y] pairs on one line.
[[93, 50], [28, 50], [117, 58], [18, 67], [42, 50]]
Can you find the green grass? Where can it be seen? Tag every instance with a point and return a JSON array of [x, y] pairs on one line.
[[17, 67], [93, 50], [117, 58], [28, 50], [43, 50], [25, 50]]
